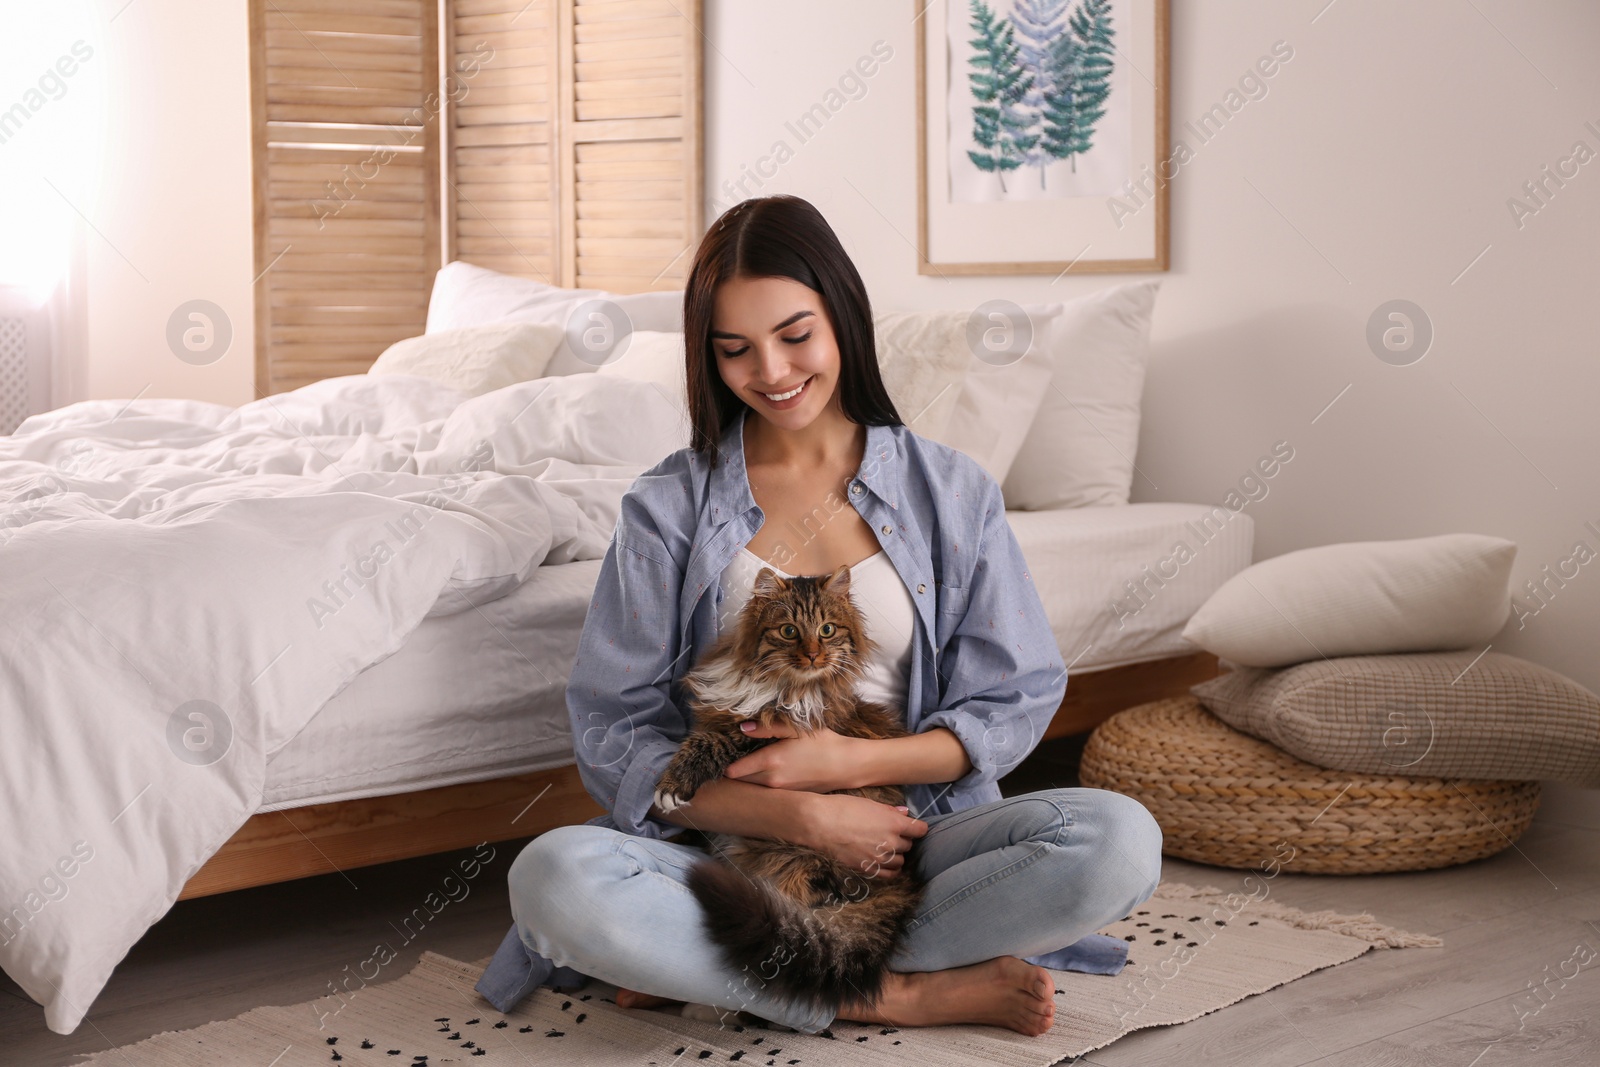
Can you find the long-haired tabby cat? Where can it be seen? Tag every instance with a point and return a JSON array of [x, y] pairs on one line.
[[816, 932]]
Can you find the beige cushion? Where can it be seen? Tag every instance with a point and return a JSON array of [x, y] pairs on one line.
[[1079, 450], [656, 358], [980, 408], [475, 359], [923, 360], [1424, 594], [1429, 714]]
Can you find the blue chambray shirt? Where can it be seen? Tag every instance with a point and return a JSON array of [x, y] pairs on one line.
[[984, 661]]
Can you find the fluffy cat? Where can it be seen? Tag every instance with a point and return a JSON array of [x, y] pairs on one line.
[[814, 931]]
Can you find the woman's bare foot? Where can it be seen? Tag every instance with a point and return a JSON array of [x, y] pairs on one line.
[[1004, 991], [631, 998]]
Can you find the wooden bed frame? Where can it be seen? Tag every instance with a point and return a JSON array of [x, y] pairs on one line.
[[294, 843]]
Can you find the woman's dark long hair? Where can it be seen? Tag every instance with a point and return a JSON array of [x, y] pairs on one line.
[[778, 237]]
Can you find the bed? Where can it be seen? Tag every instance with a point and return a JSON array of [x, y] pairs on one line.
[[187, 586], [488, 756]]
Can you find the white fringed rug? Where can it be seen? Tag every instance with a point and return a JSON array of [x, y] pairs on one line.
[[1192, 951]]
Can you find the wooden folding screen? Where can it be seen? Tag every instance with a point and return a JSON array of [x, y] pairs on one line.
[[346, 182], [562, 143], [500, 199]]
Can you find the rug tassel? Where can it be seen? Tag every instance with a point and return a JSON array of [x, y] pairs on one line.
[[1363, 927]]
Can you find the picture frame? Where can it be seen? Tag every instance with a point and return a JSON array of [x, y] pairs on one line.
[[1034, 184]]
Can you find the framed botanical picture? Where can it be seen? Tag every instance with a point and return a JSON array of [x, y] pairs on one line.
[[1042, 139]]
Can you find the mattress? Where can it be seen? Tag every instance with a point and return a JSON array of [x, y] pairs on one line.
[[1120, 583], [482, 694], [468, 697]]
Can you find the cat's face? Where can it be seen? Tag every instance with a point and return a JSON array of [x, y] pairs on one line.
[[803, 628]]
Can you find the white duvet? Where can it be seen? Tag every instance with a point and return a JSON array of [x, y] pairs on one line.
[[185, 585]]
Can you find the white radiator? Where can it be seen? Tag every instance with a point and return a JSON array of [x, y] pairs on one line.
[[24, 358]]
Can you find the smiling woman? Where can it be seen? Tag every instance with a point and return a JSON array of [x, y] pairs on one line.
[[788, 411], [773, 301]]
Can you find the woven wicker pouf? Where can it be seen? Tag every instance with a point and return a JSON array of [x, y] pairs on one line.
[[1230, 800]]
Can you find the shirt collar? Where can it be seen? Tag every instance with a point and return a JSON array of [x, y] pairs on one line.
[[730, 481]]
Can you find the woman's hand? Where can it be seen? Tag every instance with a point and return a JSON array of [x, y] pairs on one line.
[[819, 762], [861, 834]]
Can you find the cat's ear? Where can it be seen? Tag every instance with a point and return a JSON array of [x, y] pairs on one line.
[[767, 583], [839, 580]]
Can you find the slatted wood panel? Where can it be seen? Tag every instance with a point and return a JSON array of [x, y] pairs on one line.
[[565, 136], [633, 106], [501, 194], [347, 181]]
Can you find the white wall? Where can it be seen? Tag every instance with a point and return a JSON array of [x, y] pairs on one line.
[[174, 207]]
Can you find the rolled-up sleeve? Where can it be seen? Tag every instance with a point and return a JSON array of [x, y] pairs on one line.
[[625, 725], [1004, 676]]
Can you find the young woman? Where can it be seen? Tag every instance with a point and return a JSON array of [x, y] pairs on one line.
[[800, 462]]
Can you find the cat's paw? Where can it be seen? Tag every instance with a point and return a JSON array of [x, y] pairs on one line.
[[669, 801]]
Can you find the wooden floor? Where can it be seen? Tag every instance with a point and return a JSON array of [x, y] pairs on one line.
[[1504, 920]]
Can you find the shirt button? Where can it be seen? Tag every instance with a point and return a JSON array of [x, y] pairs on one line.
[[856, 488], [888, 529], [921, 588]]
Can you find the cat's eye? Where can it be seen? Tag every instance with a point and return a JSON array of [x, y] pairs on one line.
[[790, 631], [826, 629]]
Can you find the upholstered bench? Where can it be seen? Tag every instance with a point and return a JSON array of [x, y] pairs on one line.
[[1228, 799]]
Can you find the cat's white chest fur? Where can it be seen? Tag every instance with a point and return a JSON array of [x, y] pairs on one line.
[[723, 686]]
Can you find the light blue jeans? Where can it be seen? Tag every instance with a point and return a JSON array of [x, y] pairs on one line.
[[1020, 876]]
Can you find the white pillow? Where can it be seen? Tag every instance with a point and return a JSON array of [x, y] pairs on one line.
[[475, 359], [469, 295], [623, 314], [989, 404], [923, 360], [1424, 594], [1080, 448], [656, 358], [588, 425]]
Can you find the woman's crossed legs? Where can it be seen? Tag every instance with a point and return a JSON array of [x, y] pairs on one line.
[[1016, 877]]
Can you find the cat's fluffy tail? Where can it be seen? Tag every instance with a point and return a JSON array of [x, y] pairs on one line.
[[815, 957]]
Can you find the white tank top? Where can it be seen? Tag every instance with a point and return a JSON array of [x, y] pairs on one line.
[[880, 596]]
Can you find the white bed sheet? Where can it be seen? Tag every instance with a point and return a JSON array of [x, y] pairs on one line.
[[481, 694]]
